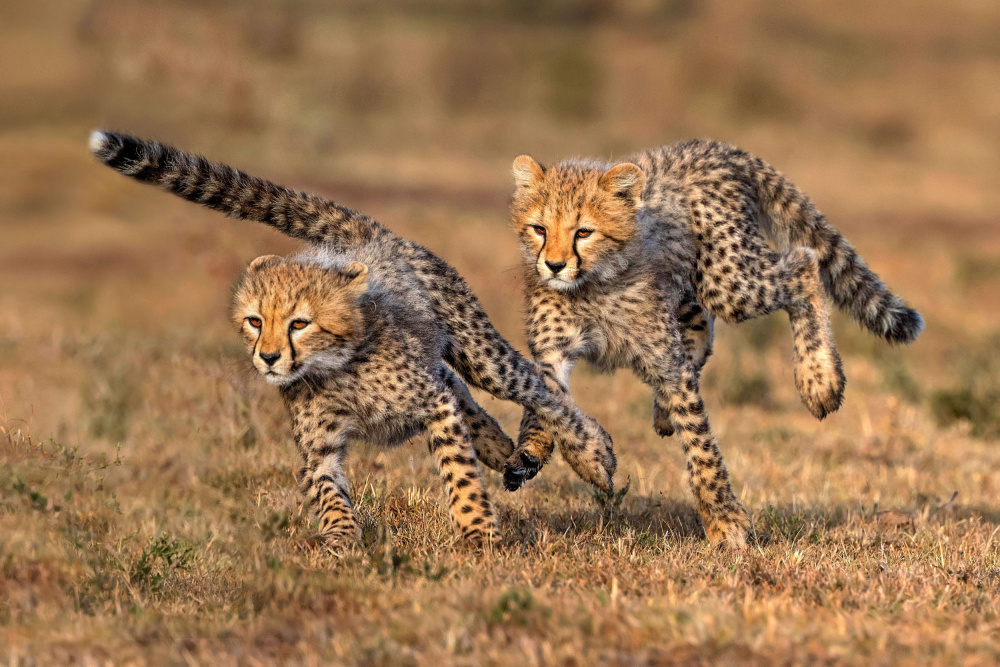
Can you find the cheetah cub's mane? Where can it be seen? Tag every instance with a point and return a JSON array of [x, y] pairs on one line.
[[628, 263]]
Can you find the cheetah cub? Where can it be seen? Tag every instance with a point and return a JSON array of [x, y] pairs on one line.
[[629, 263], [472, 346], [352, 360]]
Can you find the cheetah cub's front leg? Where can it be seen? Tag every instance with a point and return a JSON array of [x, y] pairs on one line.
[[557, 341], [697, 328], [723, 517], [324, 489], [451, 444], [587, 449]]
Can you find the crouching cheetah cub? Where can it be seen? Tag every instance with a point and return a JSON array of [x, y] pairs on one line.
[[353, 360], [628, 263]]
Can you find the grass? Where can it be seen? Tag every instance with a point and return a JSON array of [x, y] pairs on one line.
[[975, 398], [148, 513]]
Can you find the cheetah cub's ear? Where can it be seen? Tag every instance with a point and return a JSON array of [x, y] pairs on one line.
[[265, 261], [624, 181], [526, 171], [355, 277]]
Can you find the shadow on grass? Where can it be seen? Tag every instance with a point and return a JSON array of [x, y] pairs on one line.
[[644, 517], [652, 518], [984, 513]]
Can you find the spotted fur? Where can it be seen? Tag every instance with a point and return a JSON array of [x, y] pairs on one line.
[[472, 347], [353, 361], [628, 263]]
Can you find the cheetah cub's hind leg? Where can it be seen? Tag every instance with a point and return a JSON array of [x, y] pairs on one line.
[[697, 331], [738, 285], [723, 517], [451, 444], [492, 445], [819, 375]]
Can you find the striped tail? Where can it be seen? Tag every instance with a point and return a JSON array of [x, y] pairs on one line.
[[238, 195], [855, 288]]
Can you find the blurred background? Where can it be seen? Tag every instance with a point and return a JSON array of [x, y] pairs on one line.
[[114, 336], [885, 113]]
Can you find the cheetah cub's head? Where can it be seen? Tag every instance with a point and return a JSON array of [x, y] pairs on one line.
[[574, 219], [299, 317]]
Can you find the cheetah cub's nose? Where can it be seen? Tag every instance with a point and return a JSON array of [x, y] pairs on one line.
[[270, 357], [555, 267]]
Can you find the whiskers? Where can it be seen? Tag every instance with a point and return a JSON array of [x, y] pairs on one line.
[[241, 372]]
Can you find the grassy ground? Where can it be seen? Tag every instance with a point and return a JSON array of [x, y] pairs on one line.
[[147, 508]]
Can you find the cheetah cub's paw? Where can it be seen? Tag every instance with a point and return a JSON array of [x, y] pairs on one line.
[[821, 383], [592, 457], [336, 544], [729, 530], [482, 534], [661, 421], [480, 539], [520, 467], [534, 447], [340, 536]]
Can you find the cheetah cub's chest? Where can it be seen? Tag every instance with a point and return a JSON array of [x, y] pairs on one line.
[[618, 325]]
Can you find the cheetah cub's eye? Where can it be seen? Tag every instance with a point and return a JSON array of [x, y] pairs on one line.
[[254, 322], [583, 233], [539, 230], [299, 324]]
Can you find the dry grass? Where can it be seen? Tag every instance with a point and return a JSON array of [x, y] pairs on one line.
[[147, 510]]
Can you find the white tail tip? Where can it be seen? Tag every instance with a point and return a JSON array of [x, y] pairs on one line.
[[98, 140]]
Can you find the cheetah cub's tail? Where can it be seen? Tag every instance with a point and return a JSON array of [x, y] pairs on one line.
[[855, 288], [231, 191]]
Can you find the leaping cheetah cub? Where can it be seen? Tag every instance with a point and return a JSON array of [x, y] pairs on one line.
[[629, 262], [357, 353]]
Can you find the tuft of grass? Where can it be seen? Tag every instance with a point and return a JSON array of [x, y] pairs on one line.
[[979, 408], [152, 566], [742, 388], [975, 398], [976, 270], [613, 500], [517, 606], [897, 379], [110, 399]]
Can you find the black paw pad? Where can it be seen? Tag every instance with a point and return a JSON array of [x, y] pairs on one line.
[[520, 471], [664, 430]]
